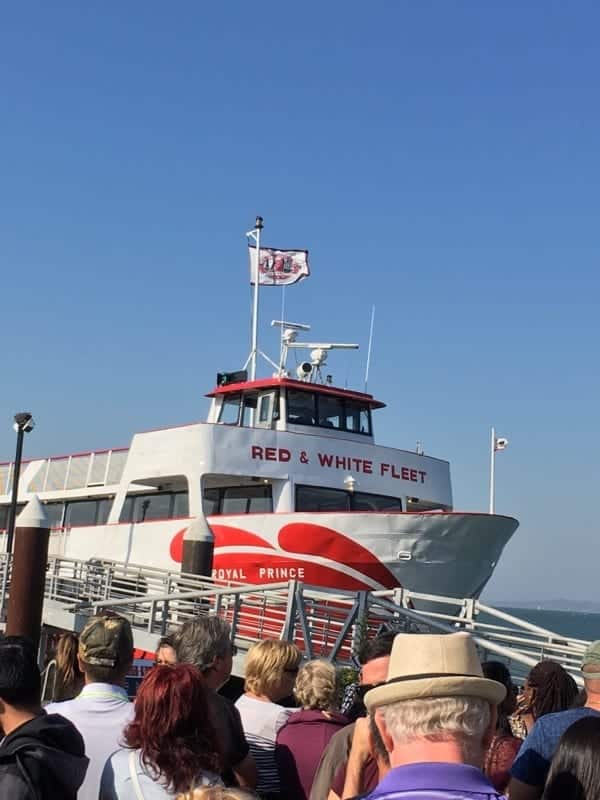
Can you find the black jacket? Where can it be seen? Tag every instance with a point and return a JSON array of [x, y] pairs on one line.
[[43, 759]]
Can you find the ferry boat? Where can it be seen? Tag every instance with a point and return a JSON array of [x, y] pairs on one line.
[[287, 474]]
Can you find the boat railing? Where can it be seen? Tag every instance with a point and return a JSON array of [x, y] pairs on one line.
[[79, 471], [324, 623]]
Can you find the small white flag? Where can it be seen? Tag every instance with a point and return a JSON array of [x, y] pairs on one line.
[[500, 444], [278, 267]]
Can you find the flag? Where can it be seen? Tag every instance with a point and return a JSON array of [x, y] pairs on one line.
[[500, 444], [278, 267]]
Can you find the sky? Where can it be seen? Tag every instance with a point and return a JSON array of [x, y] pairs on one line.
[[438, 159]]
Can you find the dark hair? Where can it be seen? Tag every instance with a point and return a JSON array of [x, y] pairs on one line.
[[497, 671], [378, 647], [172, 726], [69, 678], [165, 641], [575, 769], [555, 689], [20, 682], [378, 744]]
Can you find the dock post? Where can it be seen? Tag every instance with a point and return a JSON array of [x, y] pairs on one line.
[[198, 548], [28, 574]]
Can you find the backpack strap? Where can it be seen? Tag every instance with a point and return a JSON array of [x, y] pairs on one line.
[[134, 776]]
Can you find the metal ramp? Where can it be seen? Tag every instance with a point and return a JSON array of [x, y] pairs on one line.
[[324, 623]]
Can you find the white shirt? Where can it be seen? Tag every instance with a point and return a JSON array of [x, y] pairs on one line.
[[100, 713], [261, 722]]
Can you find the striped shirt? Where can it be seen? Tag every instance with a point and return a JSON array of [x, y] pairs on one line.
[[261, 721]]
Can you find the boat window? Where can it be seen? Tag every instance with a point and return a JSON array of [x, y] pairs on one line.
[[319, 498], [104, 506], [230, 410], [81, 512], [361, 501], [5, 513], [238, 500], [54, 514], [331, 412], [181, 505], [358, 417], [300, 407], [248, 407]]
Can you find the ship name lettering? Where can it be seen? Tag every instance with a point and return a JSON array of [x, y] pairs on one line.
[[280, 573], [346, 462], [222, 574], [405, 473], [270, 453]]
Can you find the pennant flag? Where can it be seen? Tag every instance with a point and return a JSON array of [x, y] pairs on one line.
[[278, 267], [500, 444]]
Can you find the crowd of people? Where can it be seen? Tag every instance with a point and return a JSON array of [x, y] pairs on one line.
[[425, 719]]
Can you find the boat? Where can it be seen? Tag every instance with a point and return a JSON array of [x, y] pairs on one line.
[[287, 474]]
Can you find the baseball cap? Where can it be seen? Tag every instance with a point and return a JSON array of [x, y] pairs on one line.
[[591, 658], [106, 641]]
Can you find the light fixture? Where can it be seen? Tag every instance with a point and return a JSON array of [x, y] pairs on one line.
[[350, 483]]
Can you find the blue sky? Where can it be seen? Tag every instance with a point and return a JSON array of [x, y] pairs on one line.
[[439, 160]]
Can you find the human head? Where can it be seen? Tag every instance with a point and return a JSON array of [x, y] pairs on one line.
[[575, 768], [20, 681], [165, 652], [497, 671], [548, 688], [271, 668], [374, 658], [172, 726], [436, 701], [206, 643], [316, 686], [591, 671], [218, 793], [106, 649]]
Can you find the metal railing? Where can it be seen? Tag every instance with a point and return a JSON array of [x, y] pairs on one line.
[[324, 623]]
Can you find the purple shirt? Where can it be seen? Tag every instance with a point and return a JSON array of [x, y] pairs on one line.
[[435, 781]]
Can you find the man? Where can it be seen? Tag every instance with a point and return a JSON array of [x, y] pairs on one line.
[[206, 643], [42, 757], [374, 659], [102, 709], [530, 768], [436, 714]]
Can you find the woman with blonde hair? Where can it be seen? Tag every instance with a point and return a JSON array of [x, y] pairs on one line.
[[271, 670], [304, 737], [68, 678]]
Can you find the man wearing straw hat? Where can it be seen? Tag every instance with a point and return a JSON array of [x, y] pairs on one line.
[[436, 714]]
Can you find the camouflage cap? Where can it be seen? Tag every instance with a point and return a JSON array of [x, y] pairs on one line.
[[591, 658], [106, 641]]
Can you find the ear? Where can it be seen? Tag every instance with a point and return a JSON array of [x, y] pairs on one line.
[[384, 731]]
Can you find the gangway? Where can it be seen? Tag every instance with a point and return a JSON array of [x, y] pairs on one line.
[[324, 623]]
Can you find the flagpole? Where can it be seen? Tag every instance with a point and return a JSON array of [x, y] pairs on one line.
[[492, 465], [254, 349]]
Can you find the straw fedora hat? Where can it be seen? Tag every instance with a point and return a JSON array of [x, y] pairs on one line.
[[427, 665]]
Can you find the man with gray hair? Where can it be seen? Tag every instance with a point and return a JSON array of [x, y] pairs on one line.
[[206, 643], [436, 714]]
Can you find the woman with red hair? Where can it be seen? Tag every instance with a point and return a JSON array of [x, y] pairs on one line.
[[170, 746]]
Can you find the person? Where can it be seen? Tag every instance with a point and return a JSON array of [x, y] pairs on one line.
[[102, 709], [42, 756], [206, 643], [530, 769], [374, 659], [436, 714], [575, 768], [165, 652], [367, 747], [548, 688], [68, 678], [504, 746], [218, 793], [271, 669], [302, 739], [167, 750]]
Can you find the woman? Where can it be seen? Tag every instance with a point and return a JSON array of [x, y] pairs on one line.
[[504, 746], [271, 669], [548, 688], [165, 652], [305, 735], [68, 678], [575, 769], [218, 793], [170, 744]]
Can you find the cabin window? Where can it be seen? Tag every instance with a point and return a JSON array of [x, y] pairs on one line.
[[248, 408], [358, 417], [54, 514], [82, 512], [5, 514], [181, 504], [230, 410], [331, 412], [301, 407], [154, 506], [320, 498], [238, 500]]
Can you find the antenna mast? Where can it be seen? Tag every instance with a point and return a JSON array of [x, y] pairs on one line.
[[370, 347]]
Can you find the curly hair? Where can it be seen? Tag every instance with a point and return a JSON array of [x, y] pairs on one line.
[[266, 663], [555, 689], [316, 686], [172, 727]]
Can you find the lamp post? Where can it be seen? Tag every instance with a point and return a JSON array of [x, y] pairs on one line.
[[23, 424]]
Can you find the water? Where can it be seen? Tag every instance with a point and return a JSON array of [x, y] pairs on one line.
[[576, 624]]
